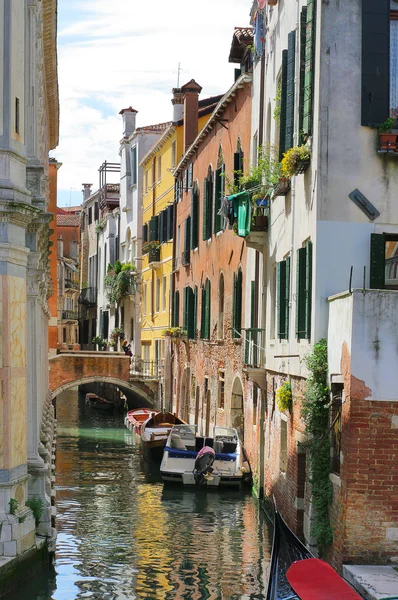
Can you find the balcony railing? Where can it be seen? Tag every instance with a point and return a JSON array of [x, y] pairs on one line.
[[254, 348], [71, 285], [69, 315], [146, 368], [88, 296], [154, 255]]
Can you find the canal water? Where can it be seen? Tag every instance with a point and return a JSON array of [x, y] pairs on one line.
[[122, 535]]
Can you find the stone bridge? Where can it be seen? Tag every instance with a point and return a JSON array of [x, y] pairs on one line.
[[69, 369]]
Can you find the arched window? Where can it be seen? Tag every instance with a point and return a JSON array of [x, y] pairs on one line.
[[221, 308]]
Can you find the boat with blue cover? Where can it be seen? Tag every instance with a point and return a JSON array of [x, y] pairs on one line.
[[193, 459]]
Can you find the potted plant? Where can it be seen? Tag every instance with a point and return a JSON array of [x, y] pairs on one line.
[[97, 341], [175, 333], [388, 135], [284, 397], [295, 161]]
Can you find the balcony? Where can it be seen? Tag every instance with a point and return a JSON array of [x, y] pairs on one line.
[[257, 238], [69, 315], [71, 285], [88, 296], [154, 257], [254, 355]]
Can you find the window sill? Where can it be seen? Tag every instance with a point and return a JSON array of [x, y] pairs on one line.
[[237, 341], [220, 341]]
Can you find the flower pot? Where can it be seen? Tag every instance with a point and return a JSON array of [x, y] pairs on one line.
[[282, 187], [302, 166], [387, 141]]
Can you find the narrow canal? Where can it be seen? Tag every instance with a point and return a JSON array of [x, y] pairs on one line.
[[122, 535]]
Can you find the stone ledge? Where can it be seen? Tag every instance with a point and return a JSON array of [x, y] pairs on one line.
[[374, 582]]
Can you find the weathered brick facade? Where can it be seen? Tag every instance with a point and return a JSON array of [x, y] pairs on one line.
[[199, 366]]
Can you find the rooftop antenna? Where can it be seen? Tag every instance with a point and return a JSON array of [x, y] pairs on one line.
[[178, 74]]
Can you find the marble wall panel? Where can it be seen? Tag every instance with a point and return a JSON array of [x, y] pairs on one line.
[[17, 321], [18, 433]]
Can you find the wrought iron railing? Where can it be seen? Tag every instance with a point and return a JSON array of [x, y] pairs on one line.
[[88, 296], [71, 285], [69, 315], [254, 347], [146, 368]]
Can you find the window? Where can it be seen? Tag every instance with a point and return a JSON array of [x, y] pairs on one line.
[[219, 184], [189, 313], [176, 309], [282, 86], [221, 308], [154, 228], [159, 168], [16, 115], [383, 261], [134, 165], [221, 389], [96, 211], [173, 154], [394, 64], [207, 205], [145, 233], [195, 216], [146, 347], [190, 176], [283, 445], [304, 291], [237, 305], [164, 295], [309, 68], [157, 301], [273, 303], [238, 164], [205, 317], [186, 256], [283, 296], [90, 215]]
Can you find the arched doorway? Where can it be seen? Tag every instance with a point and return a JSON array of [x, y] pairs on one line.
[[184, 395], [237, 413]]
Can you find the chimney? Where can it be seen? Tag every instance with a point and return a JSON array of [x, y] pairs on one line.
[[178, 104], [128, 115], [60, 247], [191, 91], [86, 190]]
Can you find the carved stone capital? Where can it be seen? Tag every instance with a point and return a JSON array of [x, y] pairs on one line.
[[17, 213], [15, 255]]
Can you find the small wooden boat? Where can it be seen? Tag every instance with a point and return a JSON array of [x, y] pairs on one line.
[[295, 574], [137, 416], [155, 431], [99, 403]]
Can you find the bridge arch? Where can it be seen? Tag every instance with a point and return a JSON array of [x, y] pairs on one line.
[[78, 368]]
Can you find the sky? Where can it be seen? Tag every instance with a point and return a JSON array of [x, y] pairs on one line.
[[121, 53]]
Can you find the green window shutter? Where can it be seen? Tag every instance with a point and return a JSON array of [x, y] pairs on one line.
[[134, 165], [161, 225], [203, 313], [309, 67], [190, 175], [205, 213], [282, 123], [209, 205], [185, 309], [191, 330], [300, 293], [207, 310], [195, 311], [303, 33], [234, 281], [144, 233], [375, 106], [239, 289], [281, 294], [236, 167], [217, 200], [176, 309], [287, 297], [186, 179], [290, 76], [154, 228], [187, 242], [377, 261], [308, 289], [194, 217]]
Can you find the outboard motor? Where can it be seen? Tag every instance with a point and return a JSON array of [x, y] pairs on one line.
[[203, 465]]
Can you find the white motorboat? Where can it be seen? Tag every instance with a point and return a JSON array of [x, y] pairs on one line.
[[192, 459]]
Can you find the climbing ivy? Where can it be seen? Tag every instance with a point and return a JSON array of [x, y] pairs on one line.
[[315, 414], [120, 281]]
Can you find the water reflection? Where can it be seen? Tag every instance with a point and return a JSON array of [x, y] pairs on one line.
[[122, 535]]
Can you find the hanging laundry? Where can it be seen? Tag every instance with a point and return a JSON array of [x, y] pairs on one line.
[[242, 210], [259, 33]]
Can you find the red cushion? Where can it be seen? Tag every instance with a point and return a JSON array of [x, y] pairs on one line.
[[314, 579]]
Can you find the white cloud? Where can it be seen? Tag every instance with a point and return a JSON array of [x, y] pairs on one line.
[[126, 52]]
